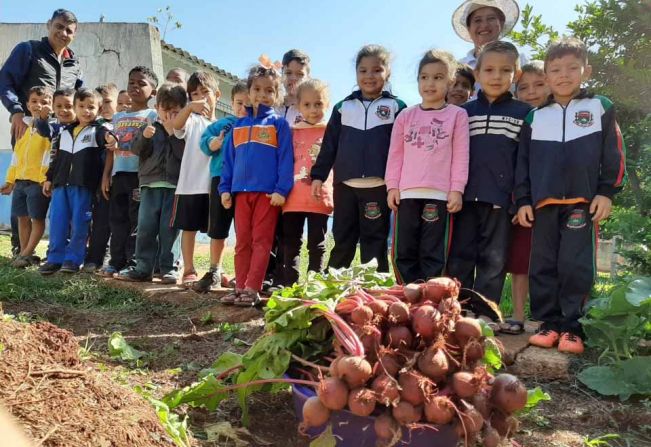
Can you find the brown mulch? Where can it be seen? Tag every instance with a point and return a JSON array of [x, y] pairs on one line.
[[61, 402]]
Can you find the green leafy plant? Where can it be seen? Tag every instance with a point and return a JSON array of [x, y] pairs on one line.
[[176, 428], [601, 441], [165, 15], [534, 33], [119, 349]]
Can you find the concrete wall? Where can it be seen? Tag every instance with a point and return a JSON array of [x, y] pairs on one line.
[[107, 51]]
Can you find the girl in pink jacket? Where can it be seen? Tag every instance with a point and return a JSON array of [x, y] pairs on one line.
[[427, 171]]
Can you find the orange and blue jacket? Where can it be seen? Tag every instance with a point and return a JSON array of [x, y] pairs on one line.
[[259, 155]]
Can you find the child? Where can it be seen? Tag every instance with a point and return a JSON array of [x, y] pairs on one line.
[[570, 164], [482, 228], [100, 230], [219, 221], [177, 75], [25, 177], [124, 102], [312, 100], [120, 178], [426, 172], [72, 179], [258, 166], [192, 202], [356, 143], [532, 89], [464, 86], [296, 69], [160, 155]]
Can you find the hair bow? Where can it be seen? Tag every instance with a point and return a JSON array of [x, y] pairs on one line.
[[265, 61]]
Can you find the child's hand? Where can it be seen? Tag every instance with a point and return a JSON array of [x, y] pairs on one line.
[[276, 199], [47, 188], [393, 199], [317, 189], [525, 216], [199, 106], [106, 187], [6, 189], [216, 142], [600, 208], [45, 112], [455, 202], [227, 200], [515, 220], [149, 131], [111, 142]]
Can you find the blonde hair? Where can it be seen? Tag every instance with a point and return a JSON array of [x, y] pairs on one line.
[[443, 57], [314, 85]]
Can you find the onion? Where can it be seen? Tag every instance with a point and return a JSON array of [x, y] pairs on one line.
[[508, 393]]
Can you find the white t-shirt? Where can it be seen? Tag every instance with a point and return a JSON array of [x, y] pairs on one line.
[[194, 177], [291, 114]]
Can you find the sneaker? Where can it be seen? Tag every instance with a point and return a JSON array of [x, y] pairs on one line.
[[570, 343], [108, 271], [544, 339], [89, 267], [133, 275], [69, 267], [211, 278], [49, 268], [171, 277]]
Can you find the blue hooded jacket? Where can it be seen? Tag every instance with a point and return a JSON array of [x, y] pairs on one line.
[[259, 155]]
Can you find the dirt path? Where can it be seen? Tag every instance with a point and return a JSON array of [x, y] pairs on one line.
[[185, 332]]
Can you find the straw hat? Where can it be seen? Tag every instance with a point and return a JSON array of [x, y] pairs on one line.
[[509, 8]]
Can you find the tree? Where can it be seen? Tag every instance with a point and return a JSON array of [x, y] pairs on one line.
[[168, 17], [618, 34]]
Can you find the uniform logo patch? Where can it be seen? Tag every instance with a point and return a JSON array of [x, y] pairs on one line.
[[577, 219], [264, 135], [372, 210], [583, 118], [86, 138], [383, 112], [430, 212]]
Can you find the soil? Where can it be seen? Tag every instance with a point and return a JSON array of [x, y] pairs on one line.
[[185, 332]]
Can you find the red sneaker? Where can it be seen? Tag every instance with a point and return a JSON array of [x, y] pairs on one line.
[[570, 343], [544, 339]]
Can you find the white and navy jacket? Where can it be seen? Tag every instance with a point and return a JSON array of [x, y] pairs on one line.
[[79, 161], [357, 138], [570, 152], [494, 137]]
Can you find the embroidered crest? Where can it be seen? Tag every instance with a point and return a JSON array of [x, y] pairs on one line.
[[577, 219], [583, 118], [264, 135], [86, 138], [430, 212], [383, 112], [372, 210]]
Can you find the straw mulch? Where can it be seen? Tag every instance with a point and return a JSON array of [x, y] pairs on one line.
[[61, 402]]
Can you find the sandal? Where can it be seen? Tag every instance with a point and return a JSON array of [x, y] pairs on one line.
[[230, 298], [512, 327], [189, 279], [247, 298]]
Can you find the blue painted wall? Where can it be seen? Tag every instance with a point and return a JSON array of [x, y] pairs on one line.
[[5, 201]]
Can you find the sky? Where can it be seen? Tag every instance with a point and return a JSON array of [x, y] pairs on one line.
[[232, 35]]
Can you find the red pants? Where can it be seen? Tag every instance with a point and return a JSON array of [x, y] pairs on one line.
[[255, 226]]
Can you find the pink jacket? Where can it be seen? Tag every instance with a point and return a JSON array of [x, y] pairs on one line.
[[429, 149]]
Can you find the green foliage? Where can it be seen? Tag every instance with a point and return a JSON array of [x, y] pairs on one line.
[[623, 379], [176, 428], [535, 34], [535, 396], [119, 349], [601, 441], [165, 15], [629, 223]]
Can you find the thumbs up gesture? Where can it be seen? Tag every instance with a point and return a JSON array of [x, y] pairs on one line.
[[149, 131]]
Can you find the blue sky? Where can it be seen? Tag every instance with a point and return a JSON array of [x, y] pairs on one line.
[[233, 34]]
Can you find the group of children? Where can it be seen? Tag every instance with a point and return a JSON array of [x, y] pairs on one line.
[[464, 180]]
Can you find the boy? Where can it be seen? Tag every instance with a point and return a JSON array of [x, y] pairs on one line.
[[482, 228], [160, 155], [124, 102], [121, 171], [72, 179], [570, 164], [532, 89], [25, 178], [178, 76], [100, 231], [220, 219], [463, 87], [192, 202]]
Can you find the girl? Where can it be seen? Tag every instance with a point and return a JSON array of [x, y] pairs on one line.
[[356, 143], [312, 97], [258, 167], [427, 171]]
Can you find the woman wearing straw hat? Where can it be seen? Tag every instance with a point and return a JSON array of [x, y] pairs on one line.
[[484, 21]]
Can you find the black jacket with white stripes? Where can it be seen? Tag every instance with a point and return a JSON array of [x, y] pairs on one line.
[[494, 136]]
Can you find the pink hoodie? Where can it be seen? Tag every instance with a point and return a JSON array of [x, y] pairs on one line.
[[429, 149]]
